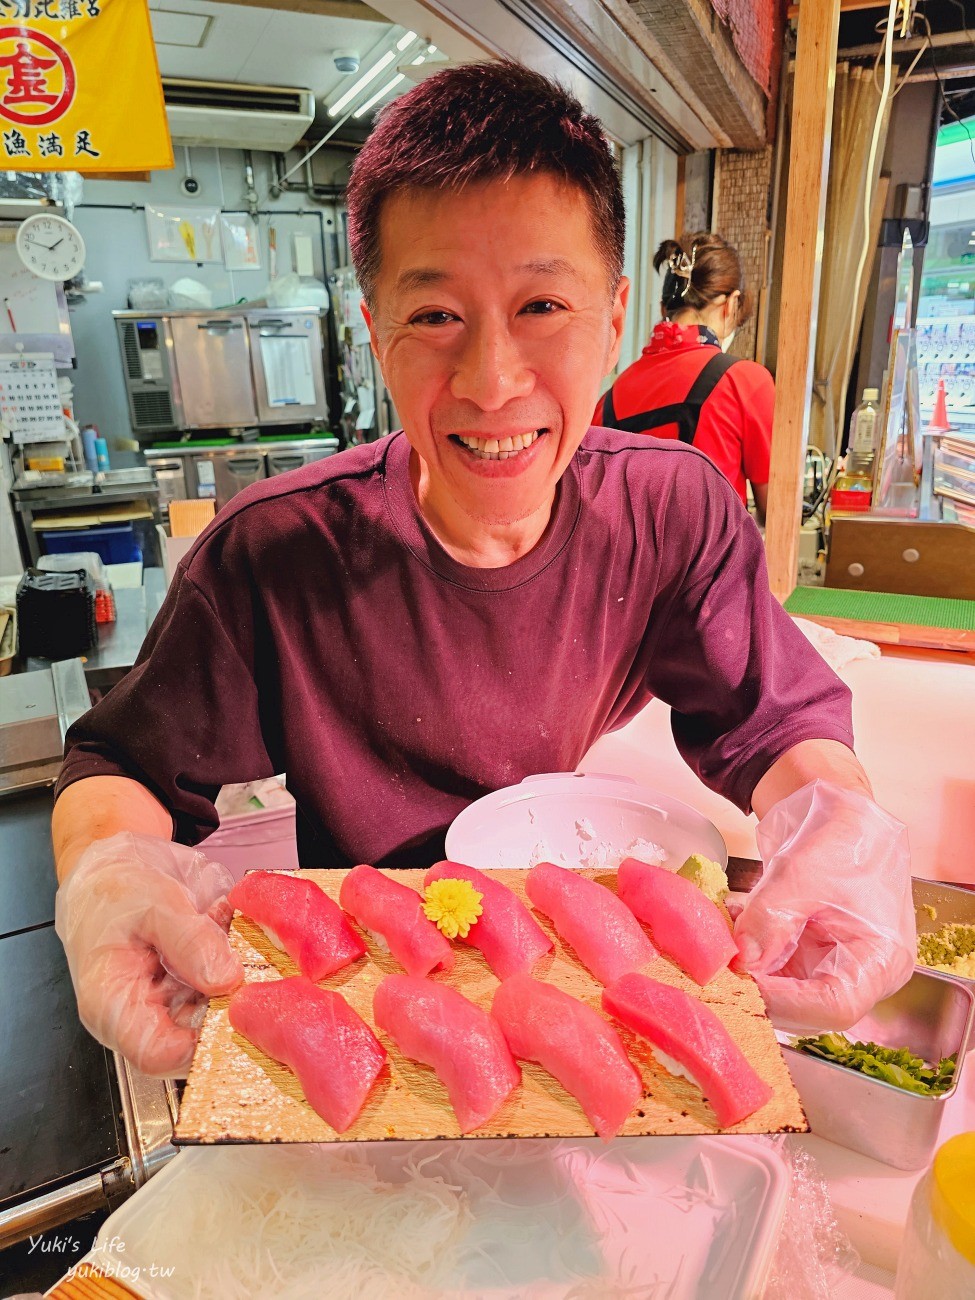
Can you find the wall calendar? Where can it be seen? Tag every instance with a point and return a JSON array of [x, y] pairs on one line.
[[30, 401]]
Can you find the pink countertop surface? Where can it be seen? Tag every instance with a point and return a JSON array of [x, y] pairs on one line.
[[914, 723]]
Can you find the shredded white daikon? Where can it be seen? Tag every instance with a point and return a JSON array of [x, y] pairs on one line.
[[302, 1223], [522, 1220]]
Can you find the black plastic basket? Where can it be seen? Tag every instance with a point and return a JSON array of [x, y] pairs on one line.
[[56, 614]]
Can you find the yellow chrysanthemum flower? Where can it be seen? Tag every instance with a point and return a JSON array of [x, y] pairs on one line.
[[453, 906]]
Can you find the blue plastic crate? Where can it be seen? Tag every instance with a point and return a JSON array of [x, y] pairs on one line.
[[115, 544]]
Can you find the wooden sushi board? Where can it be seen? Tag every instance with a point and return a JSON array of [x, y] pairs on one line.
[[237, 1094]]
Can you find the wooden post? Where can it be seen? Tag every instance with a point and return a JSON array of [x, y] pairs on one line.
[[799, 292]]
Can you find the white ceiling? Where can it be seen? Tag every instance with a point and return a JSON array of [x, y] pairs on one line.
[[209, 41]]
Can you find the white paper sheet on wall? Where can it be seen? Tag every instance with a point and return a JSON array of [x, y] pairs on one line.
[[241, 241], [33, 312], [288, 370], [183, 234]]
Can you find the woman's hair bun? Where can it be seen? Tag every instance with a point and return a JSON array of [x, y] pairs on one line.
[[668, 249], [698, 270]]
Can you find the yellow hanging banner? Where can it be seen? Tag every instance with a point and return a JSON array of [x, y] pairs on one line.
[[80, 88]]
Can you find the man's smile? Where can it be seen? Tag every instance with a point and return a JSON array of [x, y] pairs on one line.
[[506, 447]]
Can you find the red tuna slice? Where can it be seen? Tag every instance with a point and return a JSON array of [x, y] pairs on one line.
[[299, 918], [396, 912], [685, 924], [314, 1032], [436, 1025], [606, 936], [576, 1046], [507, 934], [687, 1030]]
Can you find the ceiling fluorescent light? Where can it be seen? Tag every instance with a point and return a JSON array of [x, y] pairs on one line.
[[364, 108], [405, 40], [361, 84], [419, 59]]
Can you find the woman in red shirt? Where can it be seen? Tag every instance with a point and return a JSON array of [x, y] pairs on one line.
[[683, 385]]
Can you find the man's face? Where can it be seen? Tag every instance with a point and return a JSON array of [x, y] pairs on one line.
[[494, 325]]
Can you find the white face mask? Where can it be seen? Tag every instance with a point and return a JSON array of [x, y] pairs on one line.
[[727, 341]]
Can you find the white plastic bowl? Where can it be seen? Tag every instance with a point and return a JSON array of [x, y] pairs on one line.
[[563, 816]]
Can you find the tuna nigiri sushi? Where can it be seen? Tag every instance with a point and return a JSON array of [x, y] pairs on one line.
[[506, 933], [395, 911], [685, 924], [680, 1027], [315, 1032], [300, 919], [436, 1025], [606, 936], [575, 1044]]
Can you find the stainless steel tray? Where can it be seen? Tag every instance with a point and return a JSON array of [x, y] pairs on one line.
[[933, 1016]]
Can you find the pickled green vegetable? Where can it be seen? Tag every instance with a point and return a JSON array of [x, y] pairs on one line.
[[894, 1065]]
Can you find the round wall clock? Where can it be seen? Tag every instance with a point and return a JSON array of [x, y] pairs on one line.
[[50, 246]]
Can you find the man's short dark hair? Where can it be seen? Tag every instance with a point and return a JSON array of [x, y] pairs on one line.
[[482, 122]]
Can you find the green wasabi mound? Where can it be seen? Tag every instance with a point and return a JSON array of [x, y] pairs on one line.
[[710, 879], [950, 949]]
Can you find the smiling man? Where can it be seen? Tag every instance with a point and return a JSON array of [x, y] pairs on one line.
[[419, 621]]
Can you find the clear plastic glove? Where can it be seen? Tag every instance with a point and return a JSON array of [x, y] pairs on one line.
[[143, 923], [829, 931]]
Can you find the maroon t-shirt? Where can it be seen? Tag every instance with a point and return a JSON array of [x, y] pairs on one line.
[[318, 628]]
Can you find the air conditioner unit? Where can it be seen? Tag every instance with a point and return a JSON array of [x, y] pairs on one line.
[[233, 116]]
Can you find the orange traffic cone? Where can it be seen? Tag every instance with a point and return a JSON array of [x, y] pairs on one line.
[[939, 416]]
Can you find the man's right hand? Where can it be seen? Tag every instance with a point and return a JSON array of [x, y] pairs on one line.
[[143, 922]]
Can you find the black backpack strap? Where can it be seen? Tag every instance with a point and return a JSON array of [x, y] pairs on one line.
[[684, 414], [609, 411]]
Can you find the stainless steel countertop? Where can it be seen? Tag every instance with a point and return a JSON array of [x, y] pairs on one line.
[[55, 498]]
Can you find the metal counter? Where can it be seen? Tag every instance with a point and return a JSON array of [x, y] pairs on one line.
[[38, 499], [79, 1130]]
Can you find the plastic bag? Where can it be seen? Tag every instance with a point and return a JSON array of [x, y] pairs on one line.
[[148, 294], [188, 292], [812, 1256], [829, 930], [296, 291]]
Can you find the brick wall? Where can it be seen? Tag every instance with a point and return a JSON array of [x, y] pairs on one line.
[[743, 180]]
